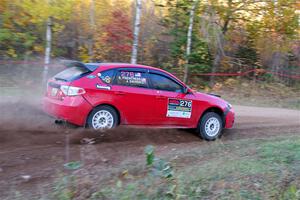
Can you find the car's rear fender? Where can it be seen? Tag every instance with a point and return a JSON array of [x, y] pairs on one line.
[[120, 117]]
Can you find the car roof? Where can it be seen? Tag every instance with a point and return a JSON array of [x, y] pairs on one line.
[[117, 65]]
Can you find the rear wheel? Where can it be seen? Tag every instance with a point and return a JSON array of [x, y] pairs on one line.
[[210, 126], [102, 118]]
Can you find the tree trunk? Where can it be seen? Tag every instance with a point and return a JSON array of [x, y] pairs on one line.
[[175, 60], [1, 21], [92, 25], [47, 50], [219, 44], [216, 64], [189, 40], [136, 31]]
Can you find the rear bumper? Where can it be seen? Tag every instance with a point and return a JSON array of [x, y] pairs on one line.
[[72, 109], [229, 119]]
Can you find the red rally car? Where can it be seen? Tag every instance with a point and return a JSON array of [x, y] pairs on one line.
[[105, 95]]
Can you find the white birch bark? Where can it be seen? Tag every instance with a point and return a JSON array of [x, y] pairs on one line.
[[189, 40], [136, 31], [47, 49], [92, 26]]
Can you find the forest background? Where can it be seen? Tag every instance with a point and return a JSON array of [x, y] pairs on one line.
[[230, 37]]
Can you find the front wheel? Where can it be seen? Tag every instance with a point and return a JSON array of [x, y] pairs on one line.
[[102, 118], [210, 126]]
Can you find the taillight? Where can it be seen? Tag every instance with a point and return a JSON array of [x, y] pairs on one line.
[[72, 91]]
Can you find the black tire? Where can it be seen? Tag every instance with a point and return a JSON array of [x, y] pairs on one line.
[[215, 127], [104, 108]]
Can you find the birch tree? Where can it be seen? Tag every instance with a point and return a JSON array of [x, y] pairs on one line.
[[92, 28], [136, 31], [189, 40], [46, 14], [47, 49]]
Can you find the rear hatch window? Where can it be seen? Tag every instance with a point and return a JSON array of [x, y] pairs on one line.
[[72, 73]]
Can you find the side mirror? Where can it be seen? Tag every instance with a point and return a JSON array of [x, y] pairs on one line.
[[187, 90]]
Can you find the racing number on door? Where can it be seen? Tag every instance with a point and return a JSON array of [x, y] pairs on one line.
[[184, 103], [179, 108]]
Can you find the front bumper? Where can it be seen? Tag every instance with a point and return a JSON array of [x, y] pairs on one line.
[[72, 109], [229, 118]]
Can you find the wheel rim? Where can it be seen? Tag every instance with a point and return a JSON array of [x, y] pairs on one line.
[[102, 120], [212, 126]]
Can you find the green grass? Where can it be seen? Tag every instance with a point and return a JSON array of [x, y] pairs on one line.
[[244, 169]]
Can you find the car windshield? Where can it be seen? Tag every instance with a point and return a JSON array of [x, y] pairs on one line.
[[71, 73]]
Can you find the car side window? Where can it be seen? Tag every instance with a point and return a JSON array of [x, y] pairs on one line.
[[131, 78], [107, 76], [160, 82]]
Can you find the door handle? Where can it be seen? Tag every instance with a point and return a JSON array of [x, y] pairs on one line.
[[161, 97], [119, 93]]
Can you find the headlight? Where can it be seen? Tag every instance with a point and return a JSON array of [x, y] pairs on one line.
[[229, 106]]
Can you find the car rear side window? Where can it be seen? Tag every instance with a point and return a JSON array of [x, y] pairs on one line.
[[107, 76], [160, 82], [131, 78], [72, 73]]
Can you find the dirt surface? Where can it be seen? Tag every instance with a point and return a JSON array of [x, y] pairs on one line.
[[33, 149]]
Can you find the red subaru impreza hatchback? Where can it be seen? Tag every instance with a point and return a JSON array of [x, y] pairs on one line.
[[105, 95]]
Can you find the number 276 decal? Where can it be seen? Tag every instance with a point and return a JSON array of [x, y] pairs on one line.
[[185, 103]]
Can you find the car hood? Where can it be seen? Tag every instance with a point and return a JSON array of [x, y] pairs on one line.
[[213, 100]]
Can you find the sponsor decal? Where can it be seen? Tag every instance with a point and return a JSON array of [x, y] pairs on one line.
[[132, 78], [103, 87], [179, 108], [138, 74], [91, 76], [107, 79]]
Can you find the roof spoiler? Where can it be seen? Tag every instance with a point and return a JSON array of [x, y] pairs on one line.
[[74, 63]]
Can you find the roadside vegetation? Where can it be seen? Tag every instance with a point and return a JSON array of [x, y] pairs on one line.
[[264, 94], [243, 169]]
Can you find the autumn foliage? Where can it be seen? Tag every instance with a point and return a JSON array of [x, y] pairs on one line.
[[118, 37], [228, 35]]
